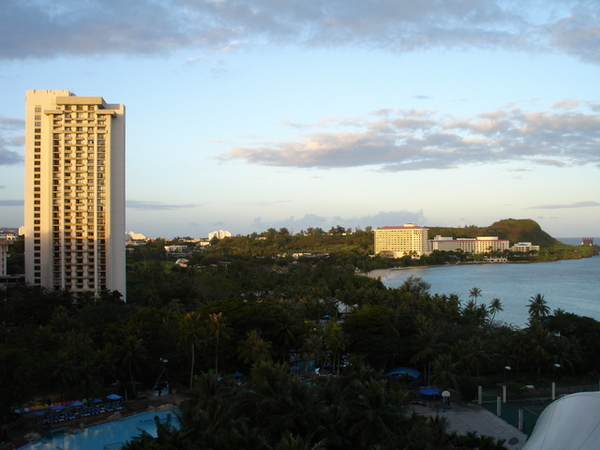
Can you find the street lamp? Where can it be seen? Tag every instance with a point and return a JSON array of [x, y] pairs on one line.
[[506, 368], [555, 367]]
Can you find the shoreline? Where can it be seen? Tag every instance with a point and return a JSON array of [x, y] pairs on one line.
[[384, 273]]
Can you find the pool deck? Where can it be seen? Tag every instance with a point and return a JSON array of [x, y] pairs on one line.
[[465, 417], [462, 417], [16, 435]]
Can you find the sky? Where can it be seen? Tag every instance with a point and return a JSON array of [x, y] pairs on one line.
[[257, 114]]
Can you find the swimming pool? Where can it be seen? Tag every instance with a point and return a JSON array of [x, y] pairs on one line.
[[97, 436]]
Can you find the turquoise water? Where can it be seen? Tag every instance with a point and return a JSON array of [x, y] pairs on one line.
[[97, 436], [572, 285]]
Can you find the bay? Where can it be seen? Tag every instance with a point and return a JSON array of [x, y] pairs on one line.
[[572, 285]]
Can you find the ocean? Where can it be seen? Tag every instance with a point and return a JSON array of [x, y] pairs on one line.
[[573, 285]]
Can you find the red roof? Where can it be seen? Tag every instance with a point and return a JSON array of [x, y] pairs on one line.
[[415, 227]]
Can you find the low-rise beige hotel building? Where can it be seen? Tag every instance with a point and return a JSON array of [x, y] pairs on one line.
[[524, 247], [74, 192], [481, 244], [396, 242]]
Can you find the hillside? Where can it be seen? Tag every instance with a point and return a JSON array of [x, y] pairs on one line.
[[515, 230]]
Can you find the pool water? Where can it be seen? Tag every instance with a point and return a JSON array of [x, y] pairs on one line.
[[98, 436]]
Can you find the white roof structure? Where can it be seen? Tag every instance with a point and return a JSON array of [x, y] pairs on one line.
[[572, 421]]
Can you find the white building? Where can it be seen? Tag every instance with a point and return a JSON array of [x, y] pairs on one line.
[[74, 192], [396, 242], [481, 244], [176, 248], [219, 234], [524, 247], [4, 248]]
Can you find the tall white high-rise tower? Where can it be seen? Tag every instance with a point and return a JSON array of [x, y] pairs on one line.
[[74, 192]]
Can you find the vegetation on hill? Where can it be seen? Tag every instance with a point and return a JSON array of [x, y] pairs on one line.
[[515, 230]]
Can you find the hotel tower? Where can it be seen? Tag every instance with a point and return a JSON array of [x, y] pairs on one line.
[[74, 192]]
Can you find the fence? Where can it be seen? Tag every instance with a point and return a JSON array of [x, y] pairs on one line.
[[524, 406]]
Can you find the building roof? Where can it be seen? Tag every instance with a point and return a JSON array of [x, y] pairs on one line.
[[572, 421], [467, 240], [406, 226]]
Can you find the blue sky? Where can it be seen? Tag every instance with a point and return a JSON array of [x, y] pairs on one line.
[[246, 115]]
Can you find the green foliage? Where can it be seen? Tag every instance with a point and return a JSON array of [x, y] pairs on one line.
[[241, 310]]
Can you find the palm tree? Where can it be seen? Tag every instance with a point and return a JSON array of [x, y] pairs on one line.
[[538, 308], [336, 342], [372, 414], [132, 352], [313, 349], [216, 328], [254, 349], [542, 345], [475, 293], [190, 331], [426, 345], [474, 354], [64, 372], [495, 307], [445, 372]]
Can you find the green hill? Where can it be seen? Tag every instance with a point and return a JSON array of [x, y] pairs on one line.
[[515, 230]]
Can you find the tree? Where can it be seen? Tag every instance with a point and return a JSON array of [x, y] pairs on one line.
[[538, 308], [495, 307], [372, 414], [216, 328], [445, 372], [336, 342], [474, 294], [132, 352], [190, 331], [254, 349]]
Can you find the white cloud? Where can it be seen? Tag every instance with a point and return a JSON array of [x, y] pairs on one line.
[[382, 218], [584, 204], [415, 140], [10, 137], [155, 206]]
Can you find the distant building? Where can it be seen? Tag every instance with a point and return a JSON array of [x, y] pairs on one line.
[[8, 236], [481, 244], [524, 247], [589, 241], [135, 239], [135, 236], [176, 249], [396, 242], [219, 234], [4, 248]]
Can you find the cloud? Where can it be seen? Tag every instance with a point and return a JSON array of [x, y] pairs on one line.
[[11, 202], [10, 136], [47, 28], [9, 123], [424, 139], [155, 206], [382, 218], [584, 204]]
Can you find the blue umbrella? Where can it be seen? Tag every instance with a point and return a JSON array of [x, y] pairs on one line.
[[75, 403], [430, 392], [95, 400], [238, 374], [57, 407], [113, 397]]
